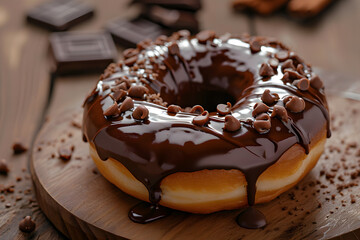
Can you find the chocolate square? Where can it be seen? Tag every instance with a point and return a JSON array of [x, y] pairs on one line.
[[82, 52], [129, 33], [59, 15], [189, 5]]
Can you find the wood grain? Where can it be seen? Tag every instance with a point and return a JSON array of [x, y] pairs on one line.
[[88, 206]]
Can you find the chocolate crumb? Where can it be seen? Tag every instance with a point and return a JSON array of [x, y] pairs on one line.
[[65, 152], [4, 169], [19, 148], [27, 225], [352, 198]]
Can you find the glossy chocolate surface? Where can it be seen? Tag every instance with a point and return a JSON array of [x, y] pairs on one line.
[[216, 72]]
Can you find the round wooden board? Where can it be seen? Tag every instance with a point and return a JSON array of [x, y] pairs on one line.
[[83, 205]]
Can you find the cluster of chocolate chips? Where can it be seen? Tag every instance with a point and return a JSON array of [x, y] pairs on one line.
[[122, 93], [293, 70], [262, 122]]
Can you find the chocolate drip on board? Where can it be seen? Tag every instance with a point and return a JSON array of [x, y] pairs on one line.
[[163, 144]]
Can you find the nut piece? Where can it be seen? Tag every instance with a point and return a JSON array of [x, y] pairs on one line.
[[269, 98], [127, 104], [259, 108], [294, 104], [231, 124], [140, 113], [202, 119], [223, 109], [280, 111], [27, 225]]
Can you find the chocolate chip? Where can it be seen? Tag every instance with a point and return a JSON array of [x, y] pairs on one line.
[[282, 55], [202, 119], [174, 49], [259, 108], [231, 124], [286, 77], [184, 33], [293, 74], [126, 105], [269, 98], [316, 82], [288, 64], [27, 225], [255, 46], [137, 91], [130, 52], [173, 109], [302, 84], [294, 104], [204, 36], [273, 62], [119, 95], [112, 110], [130, 61], [280, 111], [65, 152], [300, 69], [19, 148], [140, 113], [197, 109], [4, 169], [262, 123], [223, 109], [266, 70]]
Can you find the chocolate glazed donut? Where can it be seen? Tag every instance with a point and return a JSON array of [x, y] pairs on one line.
[[185, 104]]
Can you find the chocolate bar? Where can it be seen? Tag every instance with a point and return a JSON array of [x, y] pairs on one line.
[[59, 15], [129, 33], [172, 19], [82, 52], [189, 5]]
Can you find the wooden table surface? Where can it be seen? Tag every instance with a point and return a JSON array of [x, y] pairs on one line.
[[28, 93]]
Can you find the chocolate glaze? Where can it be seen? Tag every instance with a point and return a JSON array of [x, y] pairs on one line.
[[251, 218], [218, 71]]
